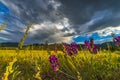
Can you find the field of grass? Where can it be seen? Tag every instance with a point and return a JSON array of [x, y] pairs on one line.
[[34, 65]]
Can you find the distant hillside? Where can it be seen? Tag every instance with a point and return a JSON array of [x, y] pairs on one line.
[[9, 44], [106, 44], [51, 46]]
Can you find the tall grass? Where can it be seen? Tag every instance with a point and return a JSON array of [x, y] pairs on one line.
[[85, 67], [21, 43]]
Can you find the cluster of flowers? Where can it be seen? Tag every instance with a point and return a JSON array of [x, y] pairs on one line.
[[117, 40], [89, 45], [54, 62], [70, 49]]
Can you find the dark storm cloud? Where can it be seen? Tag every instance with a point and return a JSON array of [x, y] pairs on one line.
[[32, 10], [36, 11], [80, 12], [69, 34], [49, 33], [105, 23]]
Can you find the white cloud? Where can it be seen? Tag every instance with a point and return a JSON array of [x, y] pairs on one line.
[[51, 31], [108, 30], [98, 16], [103, 40], [55, 4], [5, 32], [3, 38]]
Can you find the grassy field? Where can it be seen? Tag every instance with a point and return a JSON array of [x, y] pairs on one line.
[[34, 65]]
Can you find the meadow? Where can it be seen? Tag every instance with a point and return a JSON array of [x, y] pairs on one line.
[[34, 65], [69, 63]]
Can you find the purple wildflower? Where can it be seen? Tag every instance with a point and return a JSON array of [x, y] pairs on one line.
[[70, 49], [54, 62], [87, 45], [117, 40], [94, 50], [90, 46], [73, 44]]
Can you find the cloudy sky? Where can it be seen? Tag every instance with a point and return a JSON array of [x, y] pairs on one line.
[[60, 20]]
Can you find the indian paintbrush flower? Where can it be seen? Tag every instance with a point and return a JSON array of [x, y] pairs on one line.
[[94, 50], [89, 45], [54, 62], [70, 49], [73, 44]]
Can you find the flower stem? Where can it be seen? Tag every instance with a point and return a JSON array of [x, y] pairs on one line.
[[68, 75]]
